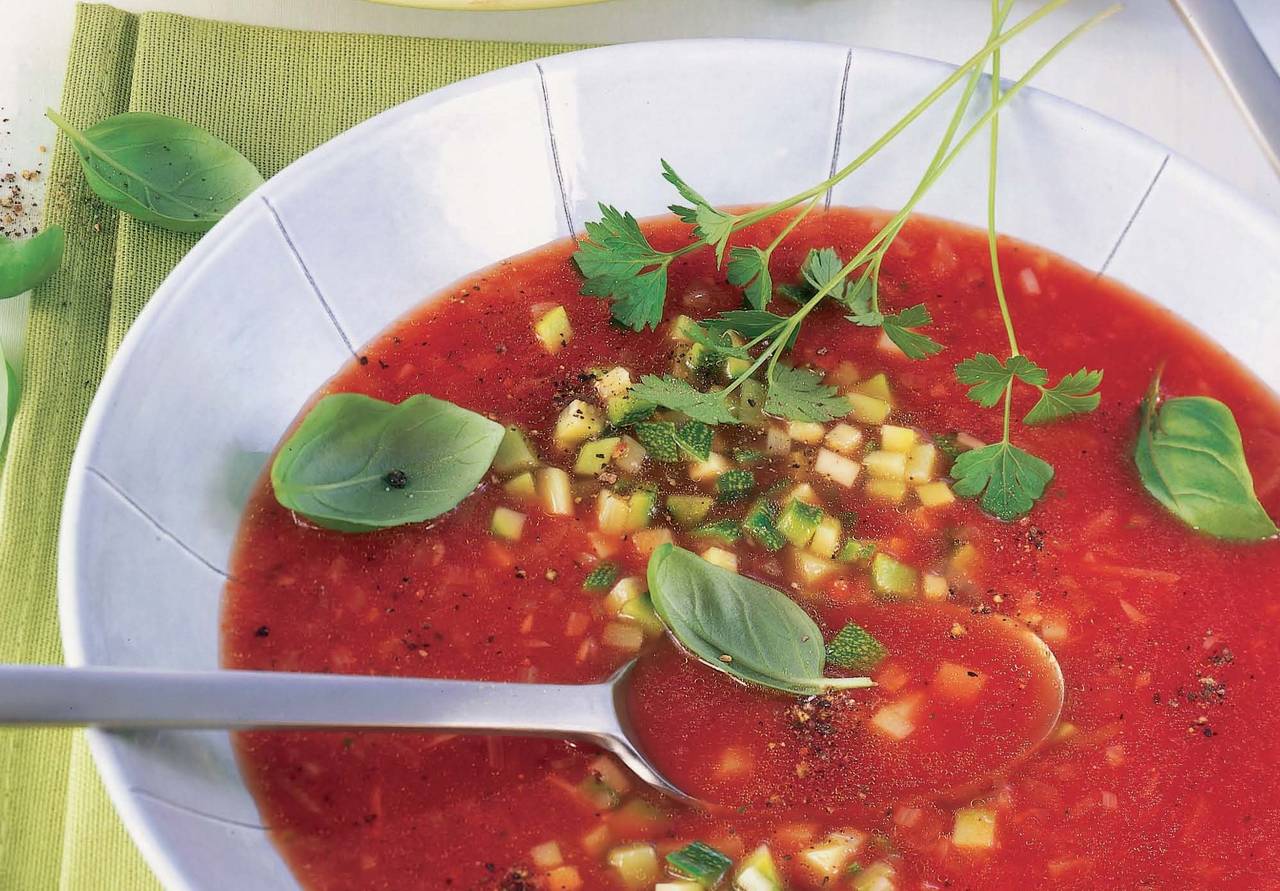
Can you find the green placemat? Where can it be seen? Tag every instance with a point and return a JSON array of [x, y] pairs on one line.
[[272, 94]]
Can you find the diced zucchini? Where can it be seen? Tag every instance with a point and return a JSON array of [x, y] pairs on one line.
[[611, 772], [643, 504], [807, 432], [578, 422], [749, 456], [614, 382], [855, 551], [722, 558], [892, 579], [646, 541], [520, 486], [886, 465], [640, 610], [843, 438], [751, 398], [699, 862], [826, 538], [868, 409], [935, 494], [726, 531], [613, 512], [735, 485], [630, 455], [975, 827], [599, 794], [694, 437], [827, 861], [594, 456], [659, 440], [553, 330], [897, 439], [759, 524], [777, 441], [936, 587], [514, 453], [507, 523], [709, 469], [601, 577], [701, 359], [679, 329], [636, 865], [639, 819], [922, 462], [811, 568], [546, 855], [625, 409], [876, 386], [876, 877], [855, 650], [689, 510], [757, 872], [897, 720], [622, 637], [892, 491], [799, 521], [622, 593], [680, 885], [555, 491], [804, 492], [836, 468], [735, 368]]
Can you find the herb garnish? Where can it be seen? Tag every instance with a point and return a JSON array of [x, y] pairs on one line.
[[27, 263]]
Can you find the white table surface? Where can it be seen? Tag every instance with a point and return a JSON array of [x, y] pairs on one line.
[[1141, 67]]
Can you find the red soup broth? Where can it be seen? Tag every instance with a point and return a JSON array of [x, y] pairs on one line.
[[1161, 773]]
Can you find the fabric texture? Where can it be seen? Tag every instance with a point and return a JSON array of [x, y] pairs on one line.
[[273, 94]]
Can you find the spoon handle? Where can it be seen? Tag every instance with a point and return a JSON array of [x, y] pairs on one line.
[[115, 697]]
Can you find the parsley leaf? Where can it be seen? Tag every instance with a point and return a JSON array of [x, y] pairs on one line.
[[1075, 394], [1009, 479], [990, 377], [749, 270], [800, 395], [715, 340], [750, 323], [678, 395], [898, 329], [711, 225], [618, 262]]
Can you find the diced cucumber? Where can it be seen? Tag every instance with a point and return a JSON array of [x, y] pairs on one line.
[[759, 524], [811, 568], [520, 486], [799, 521], [855, 650], [601, 577], [720, 557], [709, 469], [599, 794], [514, 453], [757, 872], [636, 865], [826, 538], [643, 503], [613, 512], [614, 382], [975, 827], [626, 409], [688, 510], [855, 551], [555, 491], [625, 591], [630, 456], [507, 523], [594, 456], [733, 367], [725, 531], [892, 579], [640, 610], [751, 398], [695, 438], [659, 440], [639, 819], [553, 330], [735, 485], [679, 329], [578, 422], [749, 456], [700, 862], [701, 359], [876, 386]]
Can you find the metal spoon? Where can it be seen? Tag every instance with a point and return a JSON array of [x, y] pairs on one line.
[[202, 700]]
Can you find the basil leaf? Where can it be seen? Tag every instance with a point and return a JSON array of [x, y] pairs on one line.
[[27, 263], [768, 639], [1191, 458], [356, 464], [161, 170]]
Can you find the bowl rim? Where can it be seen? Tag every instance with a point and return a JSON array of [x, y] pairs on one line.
[[103, 744]]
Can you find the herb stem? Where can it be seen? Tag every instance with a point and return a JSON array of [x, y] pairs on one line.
[[997, 279]]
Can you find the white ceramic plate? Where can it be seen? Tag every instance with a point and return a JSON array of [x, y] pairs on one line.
[[326, 254]]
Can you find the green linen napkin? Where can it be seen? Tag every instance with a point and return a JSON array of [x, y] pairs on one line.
[[273, 94]]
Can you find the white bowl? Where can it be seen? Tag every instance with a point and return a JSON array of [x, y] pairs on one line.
[[325, 255]]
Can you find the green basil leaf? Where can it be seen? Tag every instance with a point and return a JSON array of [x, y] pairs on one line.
[[1191, 458], [356, 464], [161, 170], [768, 639], [27, 263]]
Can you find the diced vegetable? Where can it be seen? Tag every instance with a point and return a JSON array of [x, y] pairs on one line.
[[709, 469], [514, 453], [843, 438], [726, 531], [826, 861], [892, 491], [757, 872], [897, 720], [807, 432], [640, 610], [826, 538], [922, 462], [886, 465], [599, 794], [722, 558], [578, 422], [602, 577], [625, 409], [799, 521], [694, 437], [855, 649], [777, 441], [630, 455], [659, 440], [868, 409], [855, 551], [936, 587], [622, 637], [734, 367], [810, 567], [507, 523], [564, 878], [700, 862], [935, 494], [553, 329], [597, 840], [759, 524], [646, 541], [749, 456], [555, 491], [897, 439], [680, 326], [520, 486], [594, 456], [546, 855], [892, 579], [636, 865], [622, 593], [959, 684], [876, 877], [614, 382], [677, 886], [644, 502], [700, 358], [688, 510], [975, 827], [613, 512], [639, 819], [876, 386], [804, 492], [751, 398], [735, 485], [836, 468]]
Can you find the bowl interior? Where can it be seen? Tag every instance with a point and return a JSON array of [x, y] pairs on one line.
[[276, 298]]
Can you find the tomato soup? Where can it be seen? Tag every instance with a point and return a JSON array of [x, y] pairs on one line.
[[955, 771]]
